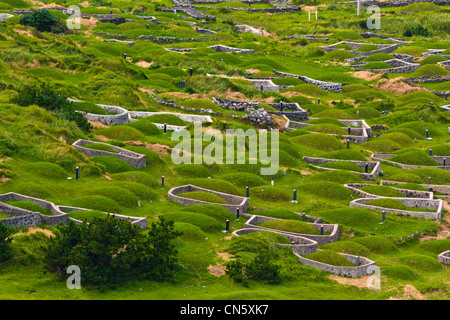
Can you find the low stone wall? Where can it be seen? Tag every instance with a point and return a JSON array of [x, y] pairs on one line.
[[382, 48], [136, 160], [130, 43], [445, 189], [21, 217], [247, 28], [384, 156], [328, 86], [222, 48], [121, 116], [373, 167], [141, 222], [333, 229], [444, 257], [411, 202], [300, 245], [366, 266], [406, 192], [375, 35], [398, 66], [235, 202], [185, 117]]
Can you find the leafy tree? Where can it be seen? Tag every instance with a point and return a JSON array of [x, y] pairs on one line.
[[261, 268], [44, 21], [48, 98], [5, 240], [112, 251]]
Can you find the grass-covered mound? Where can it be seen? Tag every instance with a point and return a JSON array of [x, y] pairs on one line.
[[398, 137], [414, 51], [146, 127], [95, 202], [86, 215], [294, 226], [32, 189], [339, 55], [329, 190], [272, 236], [205, 223], [430, 70], [89, 107], [367, 47], [410, 186], [344, 154], [329, 257], [287, 81], [438, 176], [99, 146], [441, 150], [152, 159], [270, 193], [28, 205], [343, 165], [384, 191], [214, 211], [203, 196], [414, 157], [338, 176], [306, 89], [326, 120], [137, 176], [192, 170], [381, 145], [279, 213], [328, 128], [319, 141], [378, 57], [365, 112], [421, 262], [400, 272], [432, 60], [215, 184], [189, 232], [376, 65], [435, 247], [171, 71], [354, 87], [46, 170], [406, 177], [349, 247], [376, 244], [245, 179], [200, 103], [120, 195], [141, 191], [169, 119], [122, 132], [113, 164], [421, 127]]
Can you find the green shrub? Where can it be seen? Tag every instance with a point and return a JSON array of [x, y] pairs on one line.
[[329, 257], [113, 164], [294, 226], [5, 240], [44, 21]]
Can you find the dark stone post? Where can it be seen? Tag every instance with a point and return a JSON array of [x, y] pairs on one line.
[[77, 170], [165, 128], [445, 160], [294, 200], [321, 230], [383, 216], [367, 167], [348, 144], [183, 84], [237, 214], [162, 181], [247, 192], [430, 152]]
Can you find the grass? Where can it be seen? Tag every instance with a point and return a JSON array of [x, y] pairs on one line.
[[98, 146], [319, 141], [113, 164], [203, 196], [414, 157], [343, 165], [294, 226], [384, 191], [169, 119], [86, 215], [349, 247], [327, 128], [29, 205], [329, 257], [394, 204]]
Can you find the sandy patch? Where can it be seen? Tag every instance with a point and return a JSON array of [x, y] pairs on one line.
[[52, 5], [159, 149], [252, 70], [218, 270], [4, 179], [135, 143], [97, 124], [84, 4], [290, 94], [410, 293], [24, 32], [101, 138], [184, 95], [366, 75], [225, 256], [144, 64], [147, 90], [445, 230], [399, 86], [35, 3], [106, 177], [360, 283]]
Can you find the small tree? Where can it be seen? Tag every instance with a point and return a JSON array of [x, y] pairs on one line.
[[5, 240], [44, 21]]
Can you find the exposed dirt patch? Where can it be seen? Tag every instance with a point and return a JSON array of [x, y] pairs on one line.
[[290, 94], [361, 283], [135, 143], [218, 270], [146, 90], [412, 293], [144, 64], [399, 86], [106, 177], [101, 138], [4, 179], [85, 4], [366, 75], [97, 124], [445, 230], [225, 255], [24, 32], [184, 95], [252, 70], [52, 5], [159, 149]]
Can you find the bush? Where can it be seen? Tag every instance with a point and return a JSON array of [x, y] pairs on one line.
[[262, 268], [98, 250], [5, 240], [44, 21]]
